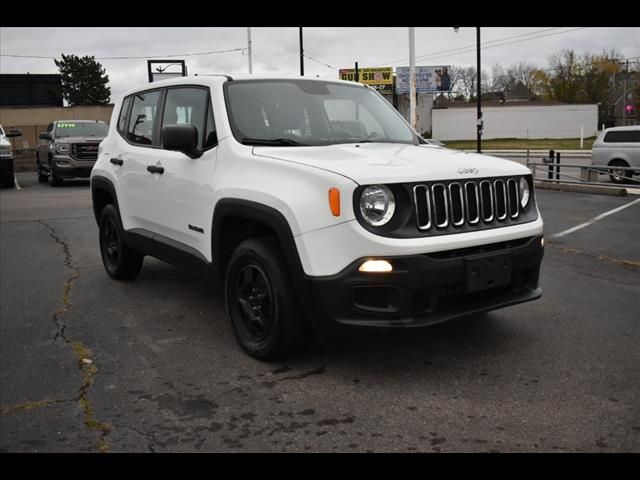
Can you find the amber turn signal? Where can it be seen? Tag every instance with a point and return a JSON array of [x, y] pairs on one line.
[[334, 201]]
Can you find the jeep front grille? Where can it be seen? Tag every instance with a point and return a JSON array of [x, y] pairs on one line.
[[444, 205], [84, 151]]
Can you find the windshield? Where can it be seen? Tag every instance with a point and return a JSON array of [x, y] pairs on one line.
[[310, 112], [73, 129]]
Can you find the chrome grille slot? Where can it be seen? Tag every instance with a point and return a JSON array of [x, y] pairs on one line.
[[423, 206], [457, 204], [84, 151], [472, 202], [514, 198], [500, 190], [440, 205], [486, 200]]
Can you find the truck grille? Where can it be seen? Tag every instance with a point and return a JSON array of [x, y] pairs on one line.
[[84, 151], [454, 204]]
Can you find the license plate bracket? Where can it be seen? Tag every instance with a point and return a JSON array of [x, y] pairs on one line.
[[487, 270]]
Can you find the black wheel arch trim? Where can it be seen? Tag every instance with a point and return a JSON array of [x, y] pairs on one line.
[[274, 220], [98, 182]]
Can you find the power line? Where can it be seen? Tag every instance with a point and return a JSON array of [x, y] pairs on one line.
[[133, 58], [451, 50], [318, 61]]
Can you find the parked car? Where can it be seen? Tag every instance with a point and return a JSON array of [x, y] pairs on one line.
[[7, 175], [69, 150], [618, 147], [315, 204]]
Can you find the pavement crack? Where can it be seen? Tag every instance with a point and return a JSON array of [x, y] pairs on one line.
[[150, 438], [82, 354], [35, 405], [603, 258]]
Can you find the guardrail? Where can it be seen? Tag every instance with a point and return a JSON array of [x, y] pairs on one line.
[[587, 175]]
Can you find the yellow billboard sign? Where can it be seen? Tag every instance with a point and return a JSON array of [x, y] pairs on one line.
[[379, 78]]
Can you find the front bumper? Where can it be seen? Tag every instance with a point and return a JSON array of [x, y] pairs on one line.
[[425, 289], [67, 167]]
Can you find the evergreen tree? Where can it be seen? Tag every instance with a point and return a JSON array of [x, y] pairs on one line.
[[84, 81]]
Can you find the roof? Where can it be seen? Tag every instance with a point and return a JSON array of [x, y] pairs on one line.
[[617, 129], [216, 79]]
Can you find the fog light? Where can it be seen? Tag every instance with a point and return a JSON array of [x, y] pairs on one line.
[[376, 266], [542, 242]]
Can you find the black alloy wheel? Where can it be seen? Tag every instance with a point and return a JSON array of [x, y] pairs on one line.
[[254, 301], [261, 301]]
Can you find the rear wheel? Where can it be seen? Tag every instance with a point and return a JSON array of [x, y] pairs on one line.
[[119, 260], [619, 175], [261, 302]]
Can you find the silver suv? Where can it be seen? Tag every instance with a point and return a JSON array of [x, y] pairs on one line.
[[618, 147], [70, 151]]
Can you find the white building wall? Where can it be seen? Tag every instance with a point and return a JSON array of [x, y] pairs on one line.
[[532, 121], [423, 110]]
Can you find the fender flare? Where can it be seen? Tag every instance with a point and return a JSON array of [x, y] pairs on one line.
[[275, 220], [98, 182]]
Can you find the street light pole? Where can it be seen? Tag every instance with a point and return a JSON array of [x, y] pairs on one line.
[[412, 77], [249, 49], [479, 68], [301, 55]]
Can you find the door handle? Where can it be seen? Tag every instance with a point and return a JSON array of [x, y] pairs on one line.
[[155, 169], [117, 161]]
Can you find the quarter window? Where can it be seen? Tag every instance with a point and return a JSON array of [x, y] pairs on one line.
[[124, 116], [143, 118], [189, 106]]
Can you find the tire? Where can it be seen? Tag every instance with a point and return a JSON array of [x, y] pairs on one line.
[[619, 176], [42, 177], [261, 303], [52, 178], [119, 260]]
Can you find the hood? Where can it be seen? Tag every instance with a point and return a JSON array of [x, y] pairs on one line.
[[78, 139], [369, 163]]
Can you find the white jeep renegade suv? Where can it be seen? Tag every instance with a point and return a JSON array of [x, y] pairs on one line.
[[315, 204]]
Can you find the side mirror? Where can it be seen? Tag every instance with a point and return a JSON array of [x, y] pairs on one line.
[[44, 136], [182, 138], [14, 132]]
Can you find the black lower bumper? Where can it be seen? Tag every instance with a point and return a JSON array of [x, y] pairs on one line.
[[72, 171], [429, 288]]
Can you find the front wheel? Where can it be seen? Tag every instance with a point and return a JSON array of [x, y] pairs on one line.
[[261, 302], [42, 177], [119, 260], [53, 179]]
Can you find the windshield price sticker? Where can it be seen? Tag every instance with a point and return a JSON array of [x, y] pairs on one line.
[[66, 125]]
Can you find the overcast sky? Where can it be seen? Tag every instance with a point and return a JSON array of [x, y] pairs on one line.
[[276, 50]]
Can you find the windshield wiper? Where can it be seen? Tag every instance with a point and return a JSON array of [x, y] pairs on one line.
[[272, 142]]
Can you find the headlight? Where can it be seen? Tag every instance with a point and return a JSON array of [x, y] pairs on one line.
[[62, 148], [525, 194], [377, 204], [6, 149]]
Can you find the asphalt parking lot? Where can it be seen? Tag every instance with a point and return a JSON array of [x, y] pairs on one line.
[[89, 364]]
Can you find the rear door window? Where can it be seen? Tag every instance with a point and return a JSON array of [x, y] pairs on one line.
[[142, 120]]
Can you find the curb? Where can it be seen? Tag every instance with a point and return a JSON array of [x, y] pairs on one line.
[[574, 188]]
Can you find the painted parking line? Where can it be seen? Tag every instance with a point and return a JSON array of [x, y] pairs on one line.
[[17, 183], [594, 219]]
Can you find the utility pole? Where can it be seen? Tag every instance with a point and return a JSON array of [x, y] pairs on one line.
[[479, 68], [301, 55], [412, 77], [249, 49], [624, 104]]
